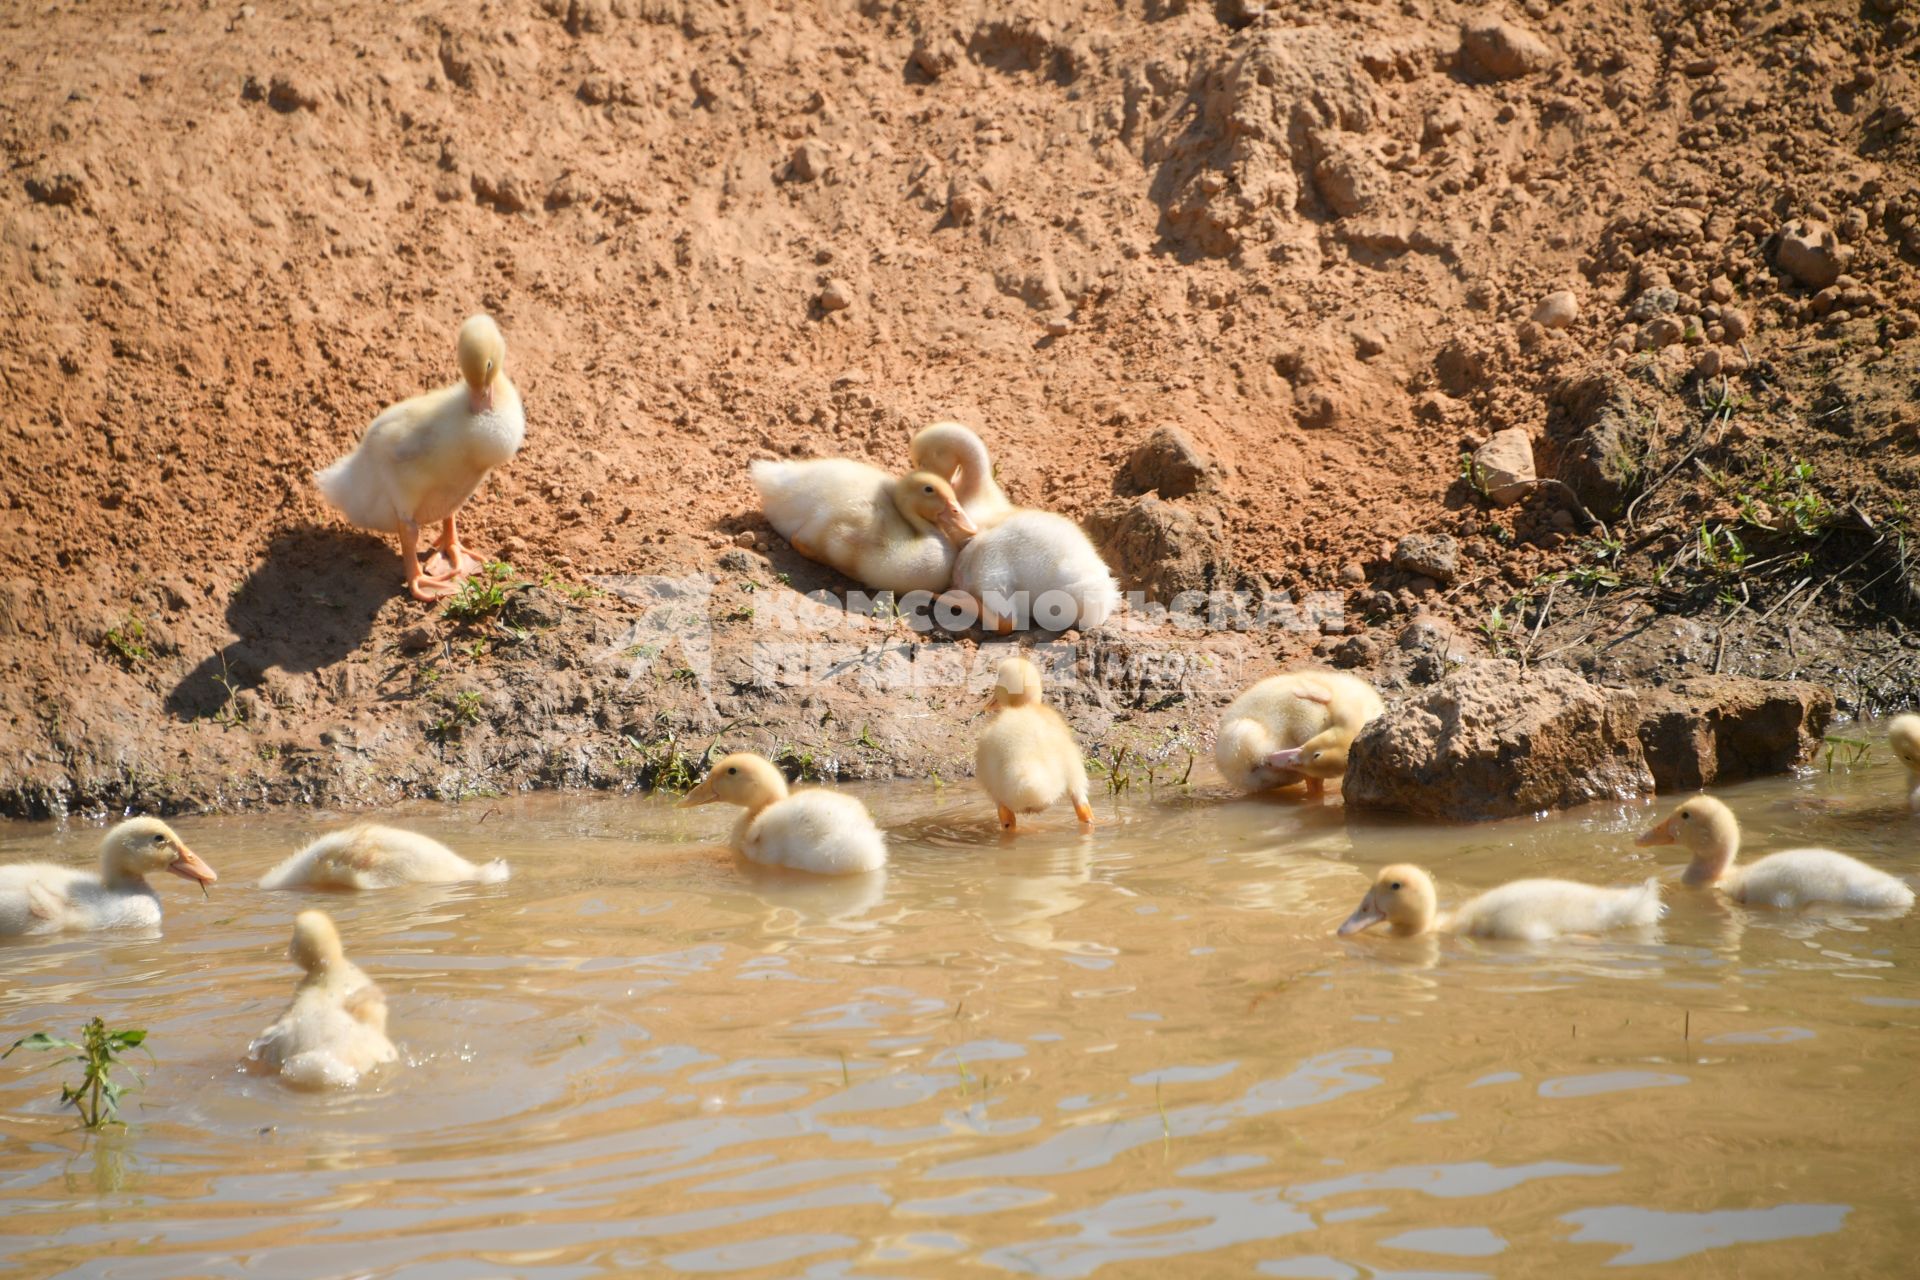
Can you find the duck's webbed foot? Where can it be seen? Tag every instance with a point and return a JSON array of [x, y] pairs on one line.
[[421, 585], [451, 559]]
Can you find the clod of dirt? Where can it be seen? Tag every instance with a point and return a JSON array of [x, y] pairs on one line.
[[809, 162], [1495, 740], [1502, 50], [1504, 466], [1558, 310], [1718, 729], [1170, 464], [1161, 549], [1435, 556], [1603, 435], [836, 296], [1811, 253]]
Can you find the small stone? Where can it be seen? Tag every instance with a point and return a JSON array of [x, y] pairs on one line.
[[836, 296], [1735, 322], [416, 639], [1352, 573], [1501, 50], [1659, 300], [1170, 464], [1504, 466], [809, 162], [1059, 326], [746, 538], [1811, 253], [1720, 289], [1707, 365], [1368, 342], [1663, 331], [1557, 310], [1435, 556], [935, 57]]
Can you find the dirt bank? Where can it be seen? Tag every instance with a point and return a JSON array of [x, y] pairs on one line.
[[1325, 244]]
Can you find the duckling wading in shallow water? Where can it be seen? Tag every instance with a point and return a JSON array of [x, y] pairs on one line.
[[421, 460], [1903, 735], [335, 1030], [1785, 880], [1027, 758], [892, 534], [813, 829], [1404, 899], [375, 857], [44, 897]]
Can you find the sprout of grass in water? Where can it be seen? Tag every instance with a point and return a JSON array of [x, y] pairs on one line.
[[97, 1096]]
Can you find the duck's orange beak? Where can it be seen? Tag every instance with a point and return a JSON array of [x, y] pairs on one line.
[[187, 865], [1288, 759], [956, 523], [480, 399], [1662, 834], [702, 794]]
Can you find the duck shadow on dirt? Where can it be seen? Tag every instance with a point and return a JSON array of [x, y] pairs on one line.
[[310, 602]]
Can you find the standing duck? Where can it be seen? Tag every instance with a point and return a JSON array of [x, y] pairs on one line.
[[422, 459], [1403, 898], [335, 1031], [815, 830], [1028, 759], [374, 857], [1785, 880], [891, 534], [954, 452], [1263, 732], [44, 897], [1903, 735]]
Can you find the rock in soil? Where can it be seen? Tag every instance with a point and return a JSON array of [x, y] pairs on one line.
[[1435, 556], [1170, 464], [1493, 741], [1810, 252], [1161, 548], [1712, 730], [1504, 465]]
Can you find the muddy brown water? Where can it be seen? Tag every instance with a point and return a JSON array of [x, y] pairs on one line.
[[1138, 1053]]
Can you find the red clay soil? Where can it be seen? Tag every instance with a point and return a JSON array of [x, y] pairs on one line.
[[1314, 238]]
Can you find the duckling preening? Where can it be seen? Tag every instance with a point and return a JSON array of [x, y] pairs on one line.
[[891, 533], [421, 459], [335, 1031]]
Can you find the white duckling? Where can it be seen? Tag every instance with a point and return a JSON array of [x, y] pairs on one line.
[[893, 534], [44, 897], [375, 857], [422, 459], [953, 451], [1028, 759], [1263, 728], [1785, 880], [335, 1031], [815, 830], [1903, 735], [1034, 569], [1522, 911]]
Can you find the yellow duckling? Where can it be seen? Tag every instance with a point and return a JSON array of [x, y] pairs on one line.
[[1903, 735], [44, 897], [892, 534], [1403, 897], [815, 830], [953, 451], [1785, 880], [375, 857], [335, 1031], [1263, 732], [422, 459], [1027, 758], [1033, 569]]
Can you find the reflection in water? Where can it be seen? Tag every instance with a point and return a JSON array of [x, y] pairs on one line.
[[1054, 1055]]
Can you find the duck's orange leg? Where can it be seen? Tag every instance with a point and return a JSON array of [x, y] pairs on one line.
[[449, 558], [423, 586]]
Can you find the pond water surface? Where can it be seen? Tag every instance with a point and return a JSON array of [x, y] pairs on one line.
[[1137, 1053]]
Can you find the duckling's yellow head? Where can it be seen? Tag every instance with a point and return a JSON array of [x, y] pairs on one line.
[[1903, 735], [1018, 684], [742, 778], [1403, 896], [945, 447], [316, 942], [1707, 829], [1322, 756], [928, 502], [483, 359], [140, 846]]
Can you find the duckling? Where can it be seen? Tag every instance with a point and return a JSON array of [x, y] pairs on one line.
[[423, 458], [1523, 910], [896, 535], [1263, 733], [335, 1031], [44, 897], [1903, 735], [1036, 569], [815, 830], [1785, 880], [1028, 758], [374, 857], [951, 450]]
